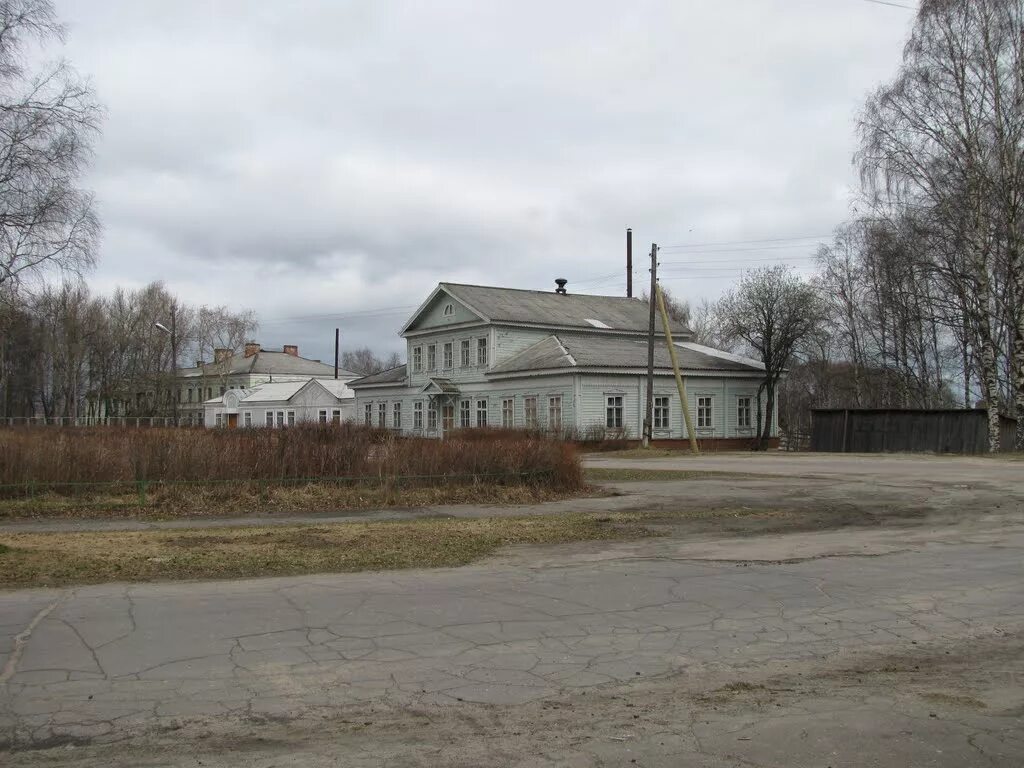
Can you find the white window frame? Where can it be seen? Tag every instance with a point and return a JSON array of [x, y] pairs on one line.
[[448, 355], [662, 414], [396, 414], [417, 415], [481, 412], [431, 357], [432, 417], [481, 352], [508, 412], [269, 418], [449, 310], [417, 359], [741, 407], [368, 414], [382, 414], [531, 411], [218, 419], [464, 414], [322, 415], [614, 410], [465, 353], [705, 412], [291, 418], [280, 419], [247, 418], [555, 413], [336, 416]]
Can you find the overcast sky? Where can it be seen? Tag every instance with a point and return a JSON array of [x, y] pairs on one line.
[[315, 160]]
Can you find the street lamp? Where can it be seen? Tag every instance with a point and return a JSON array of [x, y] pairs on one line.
[[172, 332]]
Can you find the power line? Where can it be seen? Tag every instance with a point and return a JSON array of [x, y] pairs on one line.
[[892, 5], [746, 242]]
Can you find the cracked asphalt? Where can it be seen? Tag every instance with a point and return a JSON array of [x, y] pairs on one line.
[[884, 644]]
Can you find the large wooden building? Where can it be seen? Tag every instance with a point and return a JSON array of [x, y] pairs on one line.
[[573, 363]]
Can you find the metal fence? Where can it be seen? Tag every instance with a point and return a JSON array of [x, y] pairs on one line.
[[864, 430], [86, 421]]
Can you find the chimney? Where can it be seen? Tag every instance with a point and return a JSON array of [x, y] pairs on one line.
[[560, 282], [291, 349], [251, 348], [220, 354]]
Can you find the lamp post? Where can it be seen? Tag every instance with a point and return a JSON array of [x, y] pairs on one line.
[[173, 333]]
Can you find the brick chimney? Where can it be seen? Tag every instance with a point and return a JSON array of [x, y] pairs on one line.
[[251, 348], [291, 349], [220, 354]]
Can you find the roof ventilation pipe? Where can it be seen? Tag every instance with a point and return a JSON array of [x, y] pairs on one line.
[[560, 282]]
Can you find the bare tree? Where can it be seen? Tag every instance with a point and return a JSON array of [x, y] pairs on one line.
[[771, 312], [364, 361], [48, 120]]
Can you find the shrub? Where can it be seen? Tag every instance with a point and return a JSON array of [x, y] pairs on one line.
[[49, 457]]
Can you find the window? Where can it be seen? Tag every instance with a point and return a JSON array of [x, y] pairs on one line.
[[190, 394], [247, 419], [449, 310], [417, 359], [613, 412], [703, 413], [417, 415], [322, 416], [448, 352], [661, 413], [743, 412], [396, 415], [481, 351], [432, 417], [382, 415], [336, 416], [209, 393], [555, 413], [464, 413], [280, 418], [464, 353], [481, 413], [530, 412], [219, 419], [508, 412], [291, 418], [368, 414], [270, 418], [432, 357], [222, 391]]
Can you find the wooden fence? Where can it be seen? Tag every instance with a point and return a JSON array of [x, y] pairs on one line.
[[864, 430]]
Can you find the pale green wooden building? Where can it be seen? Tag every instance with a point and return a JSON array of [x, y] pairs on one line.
[[483, 356]]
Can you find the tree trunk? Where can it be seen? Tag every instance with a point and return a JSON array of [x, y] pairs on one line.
[[1018, 356], [766, 432], [990, 377]]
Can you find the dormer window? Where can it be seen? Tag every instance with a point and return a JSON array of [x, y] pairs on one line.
[[449, 310]]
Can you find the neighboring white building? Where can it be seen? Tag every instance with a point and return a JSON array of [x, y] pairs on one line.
[[243, 371], [282, 404], [483, 356]]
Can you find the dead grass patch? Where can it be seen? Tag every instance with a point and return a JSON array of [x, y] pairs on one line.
[[236, 499], [55, 559]]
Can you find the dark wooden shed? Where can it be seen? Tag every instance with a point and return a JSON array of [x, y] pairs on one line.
[[879, 430]]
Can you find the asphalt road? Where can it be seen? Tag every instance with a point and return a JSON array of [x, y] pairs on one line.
[[886, 646]]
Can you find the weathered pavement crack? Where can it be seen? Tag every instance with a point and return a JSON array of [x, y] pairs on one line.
[[22, 638]]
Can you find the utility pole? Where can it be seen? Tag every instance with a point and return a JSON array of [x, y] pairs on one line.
[[174, 362], [337, 343], [649, 411], [629, 263]]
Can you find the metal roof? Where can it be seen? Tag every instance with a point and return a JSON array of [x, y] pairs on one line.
[[550, 309], [267, 362], [391, 376], [593, 351]]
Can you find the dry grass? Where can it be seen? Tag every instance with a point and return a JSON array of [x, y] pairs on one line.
[[54, 559], [238, 499]]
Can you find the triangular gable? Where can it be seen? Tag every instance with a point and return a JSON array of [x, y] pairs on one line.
[[431, 313], [435, 387]]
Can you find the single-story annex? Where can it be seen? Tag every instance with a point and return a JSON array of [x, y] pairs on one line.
[[282, 404], [484, 356]]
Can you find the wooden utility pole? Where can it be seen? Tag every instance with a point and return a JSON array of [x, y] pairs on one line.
[[680, 381], [629, 263], [649, 411], [337, 348]]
